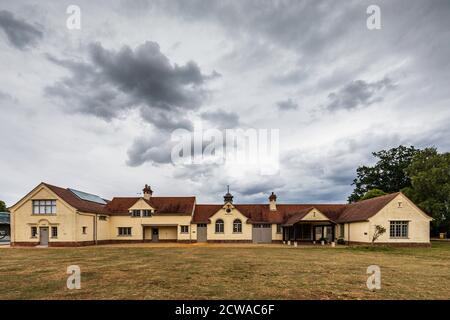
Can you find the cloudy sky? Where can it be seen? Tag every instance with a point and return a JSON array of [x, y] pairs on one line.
[[94, 109]]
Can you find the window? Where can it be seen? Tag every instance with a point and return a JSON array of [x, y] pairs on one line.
[[54, 232], [219, 226], [102, 218], [184, 229], [237, 226], [44, 206], [136, 213], [400, 204], [84, 230], [279, 228], [399, 229], [124, 231], [33, 232], [342, 230], [146, 213]]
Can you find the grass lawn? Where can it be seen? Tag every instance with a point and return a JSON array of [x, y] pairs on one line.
[[225, 272]]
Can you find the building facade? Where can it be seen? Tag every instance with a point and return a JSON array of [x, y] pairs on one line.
[[54, 216]]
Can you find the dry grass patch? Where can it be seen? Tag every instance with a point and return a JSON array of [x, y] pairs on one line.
[[225, 272]]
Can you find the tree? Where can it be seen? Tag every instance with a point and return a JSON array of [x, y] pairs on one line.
[[388, 174], [3, 206], [372, 193], [429, 172], [379, 230]]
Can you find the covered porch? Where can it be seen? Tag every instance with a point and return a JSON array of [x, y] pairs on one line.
[[310, 232], [309, 225], [159, 232]]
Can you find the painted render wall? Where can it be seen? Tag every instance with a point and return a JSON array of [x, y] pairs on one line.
[[22, 218], [228, 219], [418, 227]]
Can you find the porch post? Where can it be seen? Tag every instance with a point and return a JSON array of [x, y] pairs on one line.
[[333, 232], [295, 235]]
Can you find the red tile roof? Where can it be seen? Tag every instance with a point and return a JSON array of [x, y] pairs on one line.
[[292, 213], [78, 203], [256, 213], [163, 205], [363, 210]]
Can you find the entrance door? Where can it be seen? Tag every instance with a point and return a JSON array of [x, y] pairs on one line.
[[262, 233], [201, 232], [43, 236], [155, 234]]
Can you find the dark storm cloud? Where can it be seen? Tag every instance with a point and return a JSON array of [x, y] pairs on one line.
[[221, 118], [143, 78], [20, 34], [287, 105], [359, 93]]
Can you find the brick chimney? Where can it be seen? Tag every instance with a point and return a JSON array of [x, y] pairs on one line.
[[147, 192], [273, 202]]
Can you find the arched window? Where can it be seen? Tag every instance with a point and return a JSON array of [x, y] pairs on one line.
[[237, 226], [219, 226]]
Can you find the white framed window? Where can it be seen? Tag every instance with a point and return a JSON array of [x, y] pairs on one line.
[[102, 218], [124, 231], [184, 229], [219, 226], [135, 213], [146, 213], [399, 229], [44, 206], [342, 230], [237, 226], [34, 232], [54, 232]]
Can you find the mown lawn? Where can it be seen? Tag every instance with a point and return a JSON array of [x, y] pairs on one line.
[[225, 272]]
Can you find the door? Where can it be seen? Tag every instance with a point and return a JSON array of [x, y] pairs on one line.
[[201, 232], [43, 236], [262, 233], [155, 235]]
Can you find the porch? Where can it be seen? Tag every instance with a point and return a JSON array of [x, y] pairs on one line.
[[310, 231], [159, 232]]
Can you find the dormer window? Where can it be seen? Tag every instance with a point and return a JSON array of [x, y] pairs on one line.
[[146, 213], [135, 213]]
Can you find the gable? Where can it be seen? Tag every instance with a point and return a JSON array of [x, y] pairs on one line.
[[315, 215], [40, 192], [232, 215], [400, 208], [141, 204]]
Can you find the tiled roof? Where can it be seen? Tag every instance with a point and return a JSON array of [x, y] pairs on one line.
[[74, 201], [292, 213], [163, 205], [363, 210]]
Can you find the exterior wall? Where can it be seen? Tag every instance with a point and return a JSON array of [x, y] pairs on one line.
[[276, 236], [357, 232], [418, 227], [22, 219], [228, 234], [103, 229], [137, 227], [84, 220]]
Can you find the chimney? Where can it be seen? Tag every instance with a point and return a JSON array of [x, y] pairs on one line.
[[147, 192], [273, 202]]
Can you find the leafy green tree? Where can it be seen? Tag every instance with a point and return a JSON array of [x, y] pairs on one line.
[[388, 174], [3, 206], [372, 193], [429, 172]]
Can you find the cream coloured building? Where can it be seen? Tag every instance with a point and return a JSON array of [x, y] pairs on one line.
[[55, 216]]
